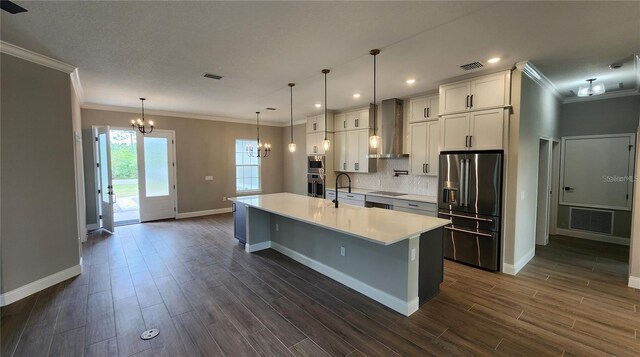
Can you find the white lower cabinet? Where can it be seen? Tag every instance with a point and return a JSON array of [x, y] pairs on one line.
[[481, 130], [424, 149]]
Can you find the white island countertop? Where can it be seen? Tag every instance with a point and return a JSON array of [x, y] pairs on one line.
[[377, 225]]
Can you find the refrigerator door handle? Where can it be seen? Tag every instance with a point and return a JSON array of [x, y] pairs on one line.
[[462, 183], [466, 183]]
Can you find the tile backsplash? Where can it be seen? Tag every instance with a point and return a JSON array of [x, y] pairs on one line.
[[385, 181]]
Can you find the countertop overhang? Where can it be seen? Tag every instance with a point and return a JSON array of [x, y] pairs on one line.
[[376, 225]]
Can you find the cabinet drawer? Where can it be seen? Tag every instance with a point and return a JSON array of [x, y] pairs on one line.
[[330, 194], [351, 196], [422, 206]]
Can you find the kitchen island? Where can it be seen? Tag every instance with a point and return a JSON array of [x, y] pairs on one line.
[[395, 258]]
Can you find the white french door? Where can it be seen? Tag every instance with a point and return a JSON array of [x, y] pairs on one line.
[[156, 166], [105, 191]]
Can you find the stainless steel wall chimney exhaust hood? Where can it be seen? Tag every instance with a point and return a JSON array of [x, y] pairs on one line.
[[390, 129]]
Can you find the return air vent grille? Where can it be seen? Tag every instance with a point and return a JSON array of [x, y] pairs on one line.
[[591, 220], [212, 76], [472, 66]]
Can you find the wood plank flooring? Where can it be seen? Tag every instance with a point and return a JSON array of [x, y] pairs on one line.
[[208, 297]]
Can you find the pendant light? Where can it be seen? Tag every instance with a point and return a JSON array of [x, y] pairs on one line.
[[292, 145], [591, 89], [258, 151], [325, 143], [139, 123], [374, 140]]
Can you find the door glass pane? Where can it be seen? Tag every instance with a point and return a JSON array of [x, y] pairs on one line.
[[156, 167], [104, 173]]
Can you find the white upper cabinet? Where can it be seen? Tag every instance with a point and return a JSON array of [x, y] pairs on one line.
[[316, 123], [424, 150], [314, 144], [352, 151], [486, 129], [358, 119], [340, 122], [423, 108], [340, 151], [490, 91], [481, 130]]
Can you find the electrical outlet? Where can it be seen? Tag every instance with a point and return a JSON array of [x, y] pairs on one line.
[[343, 251], [413, 254], [277, 227], [208, 178]]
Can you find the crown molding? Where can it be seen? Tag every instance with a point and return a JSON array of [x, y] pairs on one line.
[[114, 108], [532, 72], [13, 50], [606, 95]]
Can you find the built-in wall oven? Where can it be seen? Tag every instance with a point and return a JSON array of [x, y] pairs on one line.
[[315, 185], [315, 164]]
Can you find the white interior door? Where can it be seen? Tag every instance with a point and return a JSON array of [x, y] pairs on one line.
[[156, 178], [542, 214], [106, 196], [597, 171]]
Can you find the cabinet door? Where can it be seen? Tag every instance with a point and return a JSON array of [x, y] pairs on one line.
[[353, 119], [312, 145], [352, 150], [488, 91], [454, 130], [363, 120], [418, 148], [320, 123], [340, 152], [453, 97], [311, 124], [486, 129], [433, 106], [417, 109], [363, 151], [433, 147], [340, 122]]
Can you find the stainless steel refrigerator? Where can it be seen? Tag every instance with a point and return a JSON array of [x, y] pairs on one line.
[[470, 194]]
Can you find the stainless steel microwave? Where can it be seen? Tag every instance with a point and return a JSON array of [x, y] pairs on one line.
[[315, 164]]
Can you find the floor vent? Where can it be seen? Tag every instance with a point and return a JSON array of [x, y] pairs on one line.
[[471, 66], [591, 220]]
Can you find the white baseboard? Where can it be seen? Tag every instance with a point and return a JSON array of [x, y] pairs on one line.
[[250, 248], [39, 285], [634, 282], [593, 236], [403, 307], [513, 269], [202, 213], [92, 227]]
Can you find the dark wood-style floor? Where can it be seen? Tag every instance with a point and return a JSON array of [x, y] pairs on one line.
[[190, 279]]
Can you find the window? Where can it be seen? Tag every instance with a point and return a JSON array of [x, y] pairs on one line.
[[247, 168]]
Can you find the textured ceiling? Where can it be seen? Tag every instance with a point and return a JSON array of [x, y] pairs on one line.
[[125, 50]]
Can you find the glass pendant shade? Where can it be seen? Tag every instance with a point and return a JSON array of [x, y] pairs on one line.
[[374, 141], [292, 147], [326, 144]]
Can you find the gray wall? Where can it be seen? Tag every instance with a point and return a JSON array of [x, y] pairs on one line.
[[295, 164], [39, 221], [203, 148], [604, 116], [597, 117], [536, 113]]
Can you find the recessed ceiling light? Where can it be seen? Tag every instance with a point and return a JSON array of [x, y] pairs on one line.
[[356, 95], [411, 81], [318, 105], [494, 60]]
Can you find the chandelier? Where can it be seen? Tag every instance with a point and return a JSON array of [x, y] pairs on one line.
[[139, 123], [259, 150]]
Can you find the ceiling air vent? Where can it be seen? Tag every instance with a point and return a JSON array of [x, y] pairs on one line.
[[472, 66], [212, 76], [269, 108]]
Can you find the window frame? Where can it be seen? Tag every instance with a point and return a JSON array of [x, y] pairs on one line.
[[237, 165]]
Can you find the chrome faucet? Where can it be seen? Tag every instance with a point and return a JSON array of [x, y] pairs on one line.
[[349, 187]]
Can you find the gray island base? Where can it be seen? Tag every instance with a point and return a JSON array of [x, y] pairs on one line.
[[395, 258]]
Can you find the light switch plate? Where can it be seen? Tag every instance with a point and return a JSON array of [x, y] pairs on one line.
[[413, 254], [208, 178], [343, 251]]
